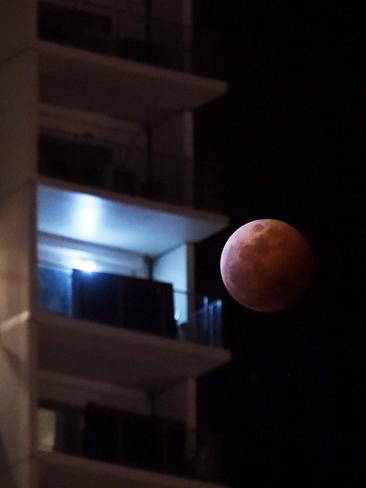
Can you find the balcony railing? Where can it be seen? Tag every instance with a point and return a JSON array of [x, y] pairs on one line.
[[128, 35], [130, 439], [132, 303], [129, 170], [202, 321]]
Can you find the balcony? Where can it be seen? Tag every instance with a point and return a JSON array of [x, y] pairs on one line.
[[92, 57], [131, 440], [85, 319], [124, 34], [105, 219], [128, 170], [126, 302]]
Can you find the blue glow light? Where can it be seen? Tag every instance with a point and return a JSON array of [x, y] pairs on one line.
[[87, 266]]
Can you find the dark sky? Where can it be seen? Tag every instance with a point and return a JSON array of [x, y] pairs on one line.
[[289, 140]]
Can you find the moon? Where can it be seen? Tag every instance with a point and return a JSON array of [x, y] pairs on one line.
[[266, 265]]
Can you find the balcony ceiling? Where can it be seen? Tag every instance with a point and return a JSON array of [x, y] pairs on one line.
[[118, 87], [129, 223]]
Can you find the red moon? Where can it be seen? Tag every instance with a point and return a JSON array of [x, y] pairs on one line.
[[266, 265]]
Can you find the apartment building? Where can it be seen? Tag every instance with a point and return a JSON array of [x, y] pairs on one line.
[[102, 336]]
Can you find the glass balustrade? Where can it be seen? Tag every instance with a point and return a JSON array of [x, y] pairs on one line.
[[129, 170], [128, 35], [137, 304], [130, 439]]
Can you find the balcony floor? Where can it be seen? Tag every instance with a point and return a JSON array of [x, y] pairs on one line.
[[119, 87], [66, 471], [98, 352]]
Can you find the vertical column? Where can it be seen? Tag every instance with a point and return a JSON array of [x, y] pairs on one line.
[[18, 132], [17, 355], [18, 87], [18, 27], [178, 402]]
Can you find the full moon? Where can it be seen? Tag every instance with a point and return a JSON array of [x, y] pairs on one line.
[[266, 265]]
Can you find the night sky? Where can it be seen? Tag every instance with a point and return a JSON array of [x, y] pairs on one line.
[[288, 142]]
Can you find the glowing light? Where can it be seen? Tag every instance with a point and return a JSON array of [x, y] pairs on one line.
[[87, 221], [87, 266], [86, 215]]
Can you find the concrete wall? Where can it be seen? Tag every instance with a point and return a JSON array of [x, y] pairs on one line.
[[17, 27], [175, 136], [177, 267], [53, 251], [78, 392], [18, 120], [17, 352], [178, 402], [89, 125], [173, 150], [172, 268]]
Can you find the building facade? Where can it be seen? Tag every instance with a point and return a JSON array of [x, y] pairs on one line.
[[102, 336]]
